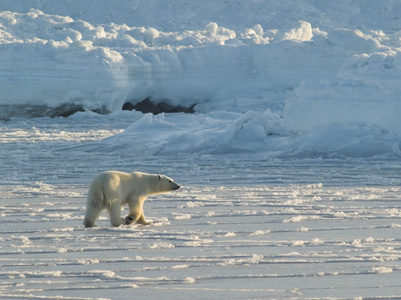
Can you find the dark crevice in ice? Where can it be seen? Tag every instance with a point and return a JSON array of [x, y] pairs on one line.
[[65, 110], [147, 106], [37, 111]]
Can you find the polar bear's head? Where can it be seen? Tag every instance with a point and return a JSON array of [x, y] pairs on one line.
[[165, 184]]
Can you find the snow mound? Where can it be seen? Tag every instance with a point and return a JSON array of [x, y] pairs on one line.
[[365, 90], [302, 31], [217, 132], [352, 39]]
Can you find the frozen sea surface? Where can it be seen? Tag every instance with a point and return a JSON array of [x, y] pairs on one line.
[[241, 226]]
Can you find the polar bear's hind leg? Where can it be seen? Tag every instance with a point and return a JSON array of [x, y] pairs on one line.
[[93, 210]]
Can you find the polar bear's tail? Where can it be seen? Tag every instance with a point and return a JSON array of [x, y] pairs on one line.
[[94, 206]]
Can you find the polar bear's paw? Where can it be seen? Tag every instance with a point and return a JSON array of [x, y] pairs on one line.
[[127, 220]]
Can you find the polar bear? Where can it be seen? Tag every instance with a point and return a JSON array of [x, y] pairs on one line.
[[112, 189]]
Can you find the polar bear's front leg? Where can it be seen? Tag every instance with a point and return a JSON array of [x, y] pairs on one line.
[[133, 217], [136, 215], [115, 215], [142, 220], [134, 212]]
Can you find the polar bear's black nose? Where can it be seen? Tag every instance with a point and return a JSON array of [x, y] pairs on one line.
[[176, 187]]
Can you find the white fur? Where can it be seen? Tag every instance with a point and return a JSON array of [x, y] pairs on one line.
[[112, 189]]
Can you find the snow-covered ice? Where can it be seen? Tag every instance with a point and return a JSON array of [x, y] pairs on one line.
[[241, 227], [289, 165]]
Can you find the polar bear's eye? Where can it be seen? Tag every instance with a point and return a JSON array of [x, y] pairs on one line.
[[159, 177]]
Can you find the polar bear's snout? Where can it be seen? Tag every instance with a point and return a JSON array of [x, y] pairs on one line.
[[176, 187]]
